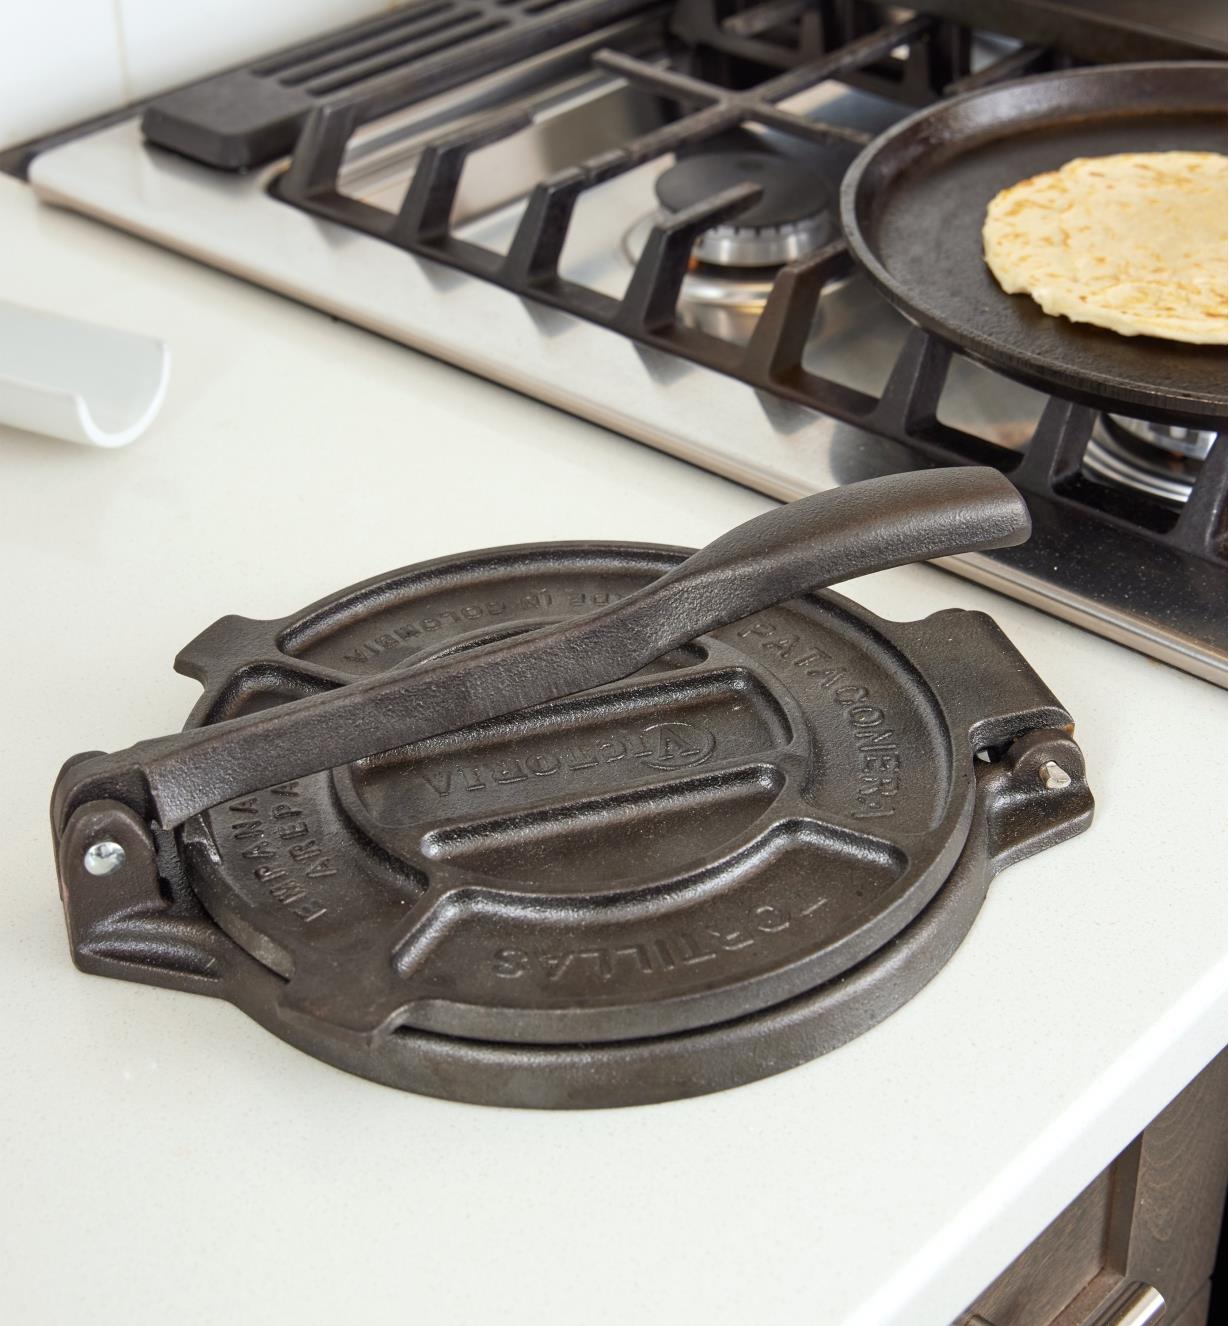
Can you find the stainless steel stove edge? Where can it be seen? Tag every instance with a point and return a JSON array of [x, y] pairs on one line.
[[1178, 651]]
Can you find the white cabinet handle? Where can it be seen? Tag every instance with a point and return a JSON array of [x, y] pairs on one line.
[[78, 380]]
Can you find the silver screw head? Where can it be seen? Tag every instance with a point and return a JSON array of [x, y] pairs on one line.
[[103, 858], [1053, 776]]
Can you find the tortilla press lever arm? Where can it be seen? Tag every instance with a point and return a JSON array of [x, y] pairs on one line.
[[802, 546]]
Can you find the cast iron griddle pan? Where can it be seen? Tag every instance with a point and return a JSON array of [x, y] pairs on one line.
[[913, 205]]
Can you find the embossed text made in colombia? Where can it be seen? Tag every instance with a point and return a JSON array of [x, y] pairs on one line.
[[414, 631]]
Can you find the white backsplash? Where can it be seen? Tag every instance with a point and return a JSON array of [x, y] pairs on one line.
[[64, 60]]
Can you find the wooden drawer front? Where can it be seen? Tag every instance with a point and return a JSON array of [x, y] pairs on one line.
[[1056, 1266], [1153, 1218], [1196, 1311]]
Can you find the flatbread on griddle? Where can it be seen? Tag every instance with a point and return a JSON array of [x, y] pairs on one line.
[[1133, 242]]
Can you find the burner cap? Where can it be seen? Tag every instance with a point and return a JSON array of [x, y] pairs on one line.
[[793, 217], [727, 864]]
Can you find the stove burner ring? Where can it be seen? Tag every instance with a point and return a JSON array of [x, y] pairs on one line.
[[1160, 460], [738, 288], [725, 301], [795, 215], [763, 246]]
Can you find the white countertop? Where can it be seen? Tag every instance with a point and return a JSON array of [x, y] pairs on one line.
[[164, 1158]]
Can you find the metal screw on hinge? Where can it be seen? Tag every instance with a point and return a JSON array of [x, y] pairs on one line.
[[103, 858], [1053, 776]]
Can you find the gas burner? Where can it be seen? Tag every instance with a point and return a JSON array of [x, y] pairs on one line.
[[723, 301], [733, 266], [1161, 460], [792, 218]]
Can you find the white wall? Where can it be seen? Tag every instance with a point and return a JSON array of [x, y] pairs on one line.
[[64, 60]]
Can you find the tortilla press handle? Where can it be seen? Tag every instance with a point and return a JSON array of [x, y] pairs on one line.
[[802, 546]]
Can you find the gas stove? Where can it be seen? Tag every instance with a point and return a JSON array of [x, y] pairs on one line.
[[634, 212]]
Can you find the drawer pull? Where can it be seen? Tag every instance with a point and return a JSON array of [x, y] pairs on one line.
[[1134, 1304]]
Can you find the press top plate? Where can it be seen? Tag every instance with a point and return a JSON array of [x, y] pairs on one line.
[[749, 817]]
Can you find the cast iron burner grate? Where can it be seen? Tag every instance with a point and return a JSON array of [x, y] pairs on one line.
[[253, 114], [746, 63]]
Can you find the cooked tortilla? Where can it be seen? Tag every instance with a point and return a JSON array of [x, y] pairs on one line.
[[1133, 242]]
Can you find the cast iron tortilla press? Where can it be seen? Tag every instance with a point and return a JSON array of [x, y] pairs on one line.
[[585, 824]]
